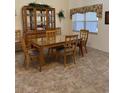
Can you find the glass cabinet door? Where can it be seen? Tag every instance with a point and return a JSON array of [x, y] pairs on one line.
[[51, 19], [30, 20], [40, 19], [43, 19]]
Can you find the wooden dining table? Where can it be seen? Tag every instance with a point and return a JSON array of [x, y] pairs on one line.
[[42, 43]]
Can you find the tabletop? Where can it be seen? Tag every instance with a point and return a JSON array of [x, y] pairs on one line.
[[43, 42]]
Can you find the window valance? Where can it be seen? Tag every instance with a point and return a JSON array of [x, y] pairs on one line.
[[93, 8]]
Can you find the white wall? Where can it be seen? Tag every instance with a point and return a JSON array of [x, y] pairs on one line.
[[101, 40], [57, 4], [18, 7]]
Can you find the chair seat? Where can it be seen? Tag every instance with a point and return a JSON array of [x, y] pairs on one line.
[[67, 51], [34, 52]]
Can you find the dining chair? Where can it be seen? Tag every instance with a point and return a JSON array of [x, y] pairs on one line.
[[50, 37], [17, 40], [58, 31], [29, 54], [69, 48], [18, 36], [83, 39]]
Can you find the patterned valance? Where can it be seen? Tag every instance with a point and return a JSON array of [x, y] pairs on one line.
[[94, 8]]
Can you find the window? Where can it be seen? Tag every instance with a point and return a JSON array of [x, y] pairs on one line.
[[87, 21]]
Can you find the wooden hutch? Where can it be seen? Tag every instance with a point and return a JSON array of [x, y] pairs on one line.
[[37, 20]]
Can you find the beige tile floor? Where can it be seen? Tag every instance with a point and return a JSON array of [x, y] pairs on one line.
[[89, 75]]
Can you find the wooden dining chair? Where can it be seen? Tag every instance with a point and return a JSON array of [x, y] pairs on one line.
[[83, 40], [69, 47], [50, 37], [58, 31], [17, 40], [18, 36], [29, 54]]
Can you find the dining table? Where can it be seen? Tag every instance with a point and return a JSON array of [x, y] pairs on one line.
[[42, 43]]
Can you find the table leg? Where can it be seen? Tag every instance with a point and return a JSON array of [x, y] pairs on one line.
[[41, 57]]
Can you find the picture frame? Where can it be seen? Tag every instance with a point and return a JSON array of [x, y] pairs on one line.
[[106, 17]]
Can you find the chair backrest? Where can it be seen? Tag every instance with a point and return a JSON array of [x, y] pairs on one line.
[[58, 31], [71, 42], [84, 35], [51, 35], [18, 36]]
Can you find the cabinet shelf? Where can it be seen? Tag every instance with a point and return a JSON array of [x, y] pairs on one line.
[[29, 15]]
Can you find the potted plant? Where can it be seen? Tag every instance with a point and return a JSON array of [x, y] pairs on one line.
[[61, 15]]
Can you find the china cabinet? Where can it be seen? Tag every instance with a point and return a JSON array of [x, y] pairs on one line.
[[37, 20]]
